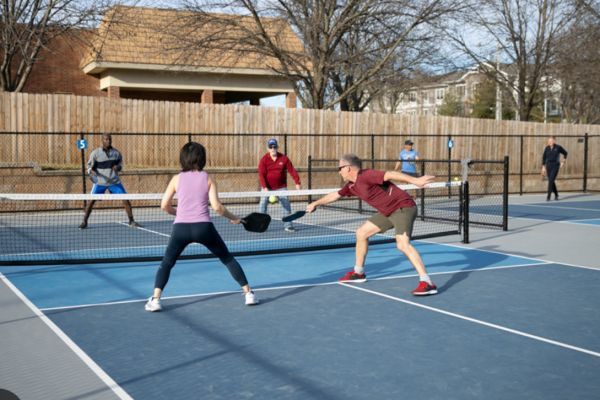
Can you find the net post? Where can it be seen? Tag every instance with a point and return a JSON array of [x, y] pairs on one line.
[[585, 160], [449, 166], [505, 196], [461, 200], [309, 172], [422, 193], [465, 211], [521, 167]]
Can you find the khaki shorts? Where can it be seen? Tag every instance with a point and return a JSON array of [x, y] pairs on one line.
[[402, 220]]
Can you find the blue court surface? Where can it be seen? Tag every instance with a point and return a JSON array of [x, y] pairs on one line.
[[580, 212], [502, 326]]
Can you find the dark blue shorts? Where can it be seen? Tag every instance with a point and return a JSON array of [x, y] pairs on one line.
[[114, 189]]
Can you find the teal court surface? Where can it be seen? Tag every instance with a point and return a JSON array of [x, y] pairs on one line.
[[502, 327]]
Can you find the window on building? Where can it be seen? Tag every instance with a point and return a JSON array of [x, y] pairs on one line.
[[460, 91], [425, 96], [439, 94], [412, 96], [553, 109]]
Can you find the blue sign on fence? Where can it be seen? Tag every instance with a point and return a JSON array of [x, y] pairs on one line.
[[450, 143], [82, 144]]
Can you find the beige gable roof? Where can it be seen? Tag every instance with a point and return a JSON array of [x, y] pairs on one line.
[[183, 40]]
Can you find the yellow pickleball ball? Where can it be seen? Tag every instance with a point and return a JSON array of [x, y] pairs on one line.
[[273, 199]]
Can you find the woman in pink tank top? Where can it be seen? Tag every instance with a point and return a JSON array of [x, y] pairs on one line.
[[196, 191]]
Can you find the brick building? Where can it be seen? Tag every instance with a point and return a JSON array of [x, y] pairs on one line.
[[134, 54]]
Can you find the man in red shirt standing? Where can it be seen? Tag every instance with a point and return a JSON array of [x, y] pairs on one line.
[[272, 175], [396, 209]]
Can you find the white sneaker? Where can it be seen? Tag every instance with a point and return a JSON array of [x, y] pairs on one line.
[[290, 229], [251, 299], [153, 305]]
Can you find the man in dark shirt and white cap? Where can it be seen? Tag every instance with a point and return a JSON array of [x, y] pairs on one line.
[[104, 166], [551, 163]]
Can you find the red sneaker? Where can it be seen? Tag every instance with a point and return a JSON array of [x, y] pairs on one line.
[[352, 276], [425, 289]]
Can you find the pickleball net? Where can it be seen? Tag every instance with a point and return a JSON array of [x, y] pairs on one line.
[[44, 228]]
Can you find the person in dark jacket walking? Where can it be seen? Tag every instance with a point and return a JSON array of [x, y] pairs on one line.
[[551, 163]]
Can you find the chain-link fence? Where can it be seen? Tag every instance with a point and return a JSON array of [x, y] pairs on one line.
[[34, 162]]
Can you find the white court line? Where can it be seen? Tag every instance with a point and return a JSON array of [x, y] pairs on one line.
[[512, 255], [563, 221], [476, 321], [383, 278], [79, 251], [557, 207], [122, 394], [233, 242], [141, 228], [584, 219]]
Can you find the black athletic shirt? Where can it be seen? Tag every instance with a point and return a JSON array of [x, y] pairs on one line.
[[552, 154]]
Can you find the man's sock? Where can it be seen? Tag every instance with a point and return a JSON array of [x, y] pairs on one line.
[[359, 270], [425, 278]]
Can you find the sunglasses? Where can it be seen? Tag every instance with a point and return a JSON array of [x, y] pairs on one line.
[[343, 166], [273, 147]]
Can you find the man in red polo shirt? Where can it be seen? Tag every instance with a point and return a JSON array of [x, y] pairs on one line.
[[396, 209], [272, 175]]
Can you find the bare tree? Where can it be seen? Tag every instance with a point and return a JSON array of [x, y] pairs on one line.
[[344, 45], [577, 71], [366, 44], [592, 7], [27, 26], [522, 33]]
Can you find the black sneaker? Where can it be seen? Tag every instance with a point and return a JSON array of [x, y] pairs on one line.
[[134, 224], [83, 225]]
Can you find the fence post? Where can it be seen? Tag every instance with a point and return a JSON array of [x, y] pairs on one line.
[[521, 168], [372, 151], [285, 143], [309, 176], [585, 161], [505, 196], [83, 168], [189, 137]]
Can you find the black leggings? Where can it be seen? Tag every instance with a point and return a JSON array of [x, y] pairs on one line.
[[552, 172], [205, 234]]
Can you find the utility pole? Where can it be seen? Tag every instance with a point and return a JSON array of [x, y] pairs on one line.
[[498, 86]]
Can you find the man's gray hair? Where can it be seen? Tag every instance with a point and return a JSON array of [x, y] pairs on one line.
[[352, 159]]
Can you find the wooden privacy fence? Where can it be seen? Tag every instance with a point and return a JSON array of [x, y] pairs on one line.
[[44, 129]]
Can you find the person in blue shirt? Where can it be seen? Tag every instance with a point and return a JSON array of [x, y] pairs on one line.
[[407, 158]]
